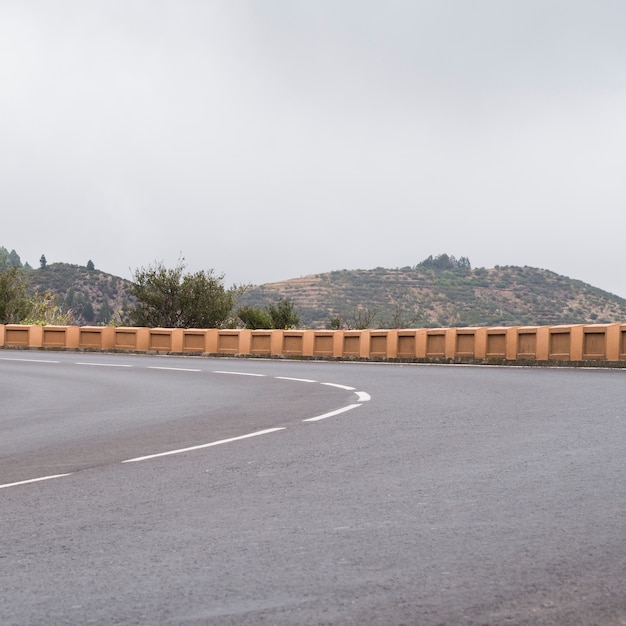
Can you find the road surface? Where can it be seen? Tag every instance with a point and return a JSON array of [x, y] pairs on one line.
[[161, 490]]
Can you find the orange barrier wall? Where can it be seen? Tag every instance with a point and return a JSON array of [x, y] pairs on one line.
[[577, 343]]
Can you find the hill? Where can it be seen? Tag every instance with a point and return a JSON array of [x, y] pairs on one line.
[[93, 296], [428, 295]]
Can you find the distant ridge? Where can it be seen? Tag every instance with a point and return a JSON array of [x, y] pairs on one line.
[[426, 296]]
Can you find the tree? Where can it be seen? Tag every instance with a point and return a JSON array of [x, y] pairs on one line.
[[14, 301], [170, 298], [42, 262], [283, 314], [105, 314], [87, 310], [360, 318], [14, 259], [254, 318], [90, 266]]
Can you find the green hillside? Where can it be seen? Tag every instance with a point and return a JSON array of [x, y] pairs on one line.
[[93, 296], [430, 295]]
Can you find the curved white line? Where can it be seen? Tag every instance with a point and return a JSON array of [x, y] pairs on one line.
[[332, 413], [338, 386], [203, 445]]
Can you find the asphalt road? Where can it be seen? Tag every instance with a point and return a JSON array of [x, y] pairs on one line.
[[162, 490]]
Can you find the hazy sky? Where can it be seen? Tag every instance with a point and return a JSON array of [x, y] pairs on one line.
[[270, 139]]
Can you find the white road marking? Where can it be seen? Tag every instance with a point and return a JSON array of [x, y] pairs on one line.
[[238, 373], [105, 364], [298, 380], [173, 369], [33, 480], [338, 386], [204, 445], [332, 413], [28, 360], [363, 396]]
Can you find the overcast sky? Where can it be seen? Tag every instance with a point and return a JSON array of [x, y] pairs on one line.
[[271, 139]]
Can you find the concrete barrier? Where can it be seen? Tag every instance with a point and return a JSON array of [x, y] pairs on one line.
[[572, 344]]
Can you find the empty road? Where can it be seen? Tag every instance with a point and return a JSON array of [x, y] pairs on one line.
[[141, 489]]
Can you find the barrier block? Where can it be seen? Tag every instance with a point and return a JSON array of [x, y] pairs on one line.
[[324, 343], [594, 342], [96, 337], [379, 344], [526, 343], [60, 337], [465, 342], [132, 338], [194, 340], [23, 336], [560, 345], [351, 344], [436, 343], [406, 344], [165, 339], [261, 342], [293, 343], [228, 342], [495, 347]]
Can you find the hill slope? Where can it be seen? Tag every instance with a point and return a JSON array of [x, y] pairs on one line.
[[93, 296], [424, 296]]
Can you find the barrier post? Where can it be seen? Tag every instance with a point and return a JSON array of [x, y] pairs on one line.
[[543, 343], [308, 343], [480, 343], [277, 342], [612, 342], [392, 344], [577, 337], [35, 336], [622, 342], [421, 343], [511, 344], [338, 343], [364, 340], [211, 341]]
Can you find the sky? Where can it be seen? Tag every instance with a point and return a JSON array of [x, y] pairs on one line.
[[272, 139]]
